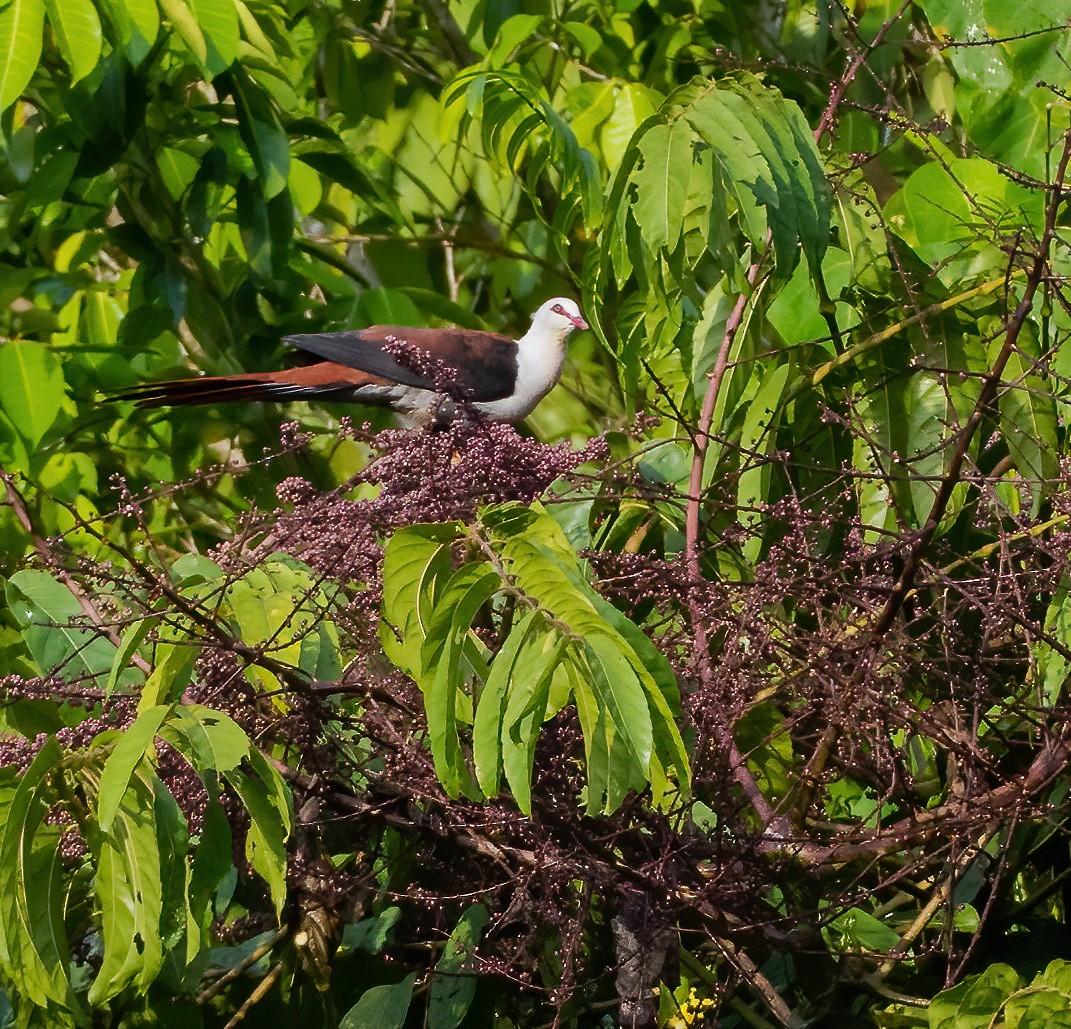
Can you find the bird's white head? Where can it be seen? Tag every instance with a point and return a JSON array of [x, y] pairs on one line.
[[559, 316]]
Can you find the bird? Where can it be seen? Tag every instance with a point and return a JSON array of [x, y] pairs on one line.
[[428, 376]]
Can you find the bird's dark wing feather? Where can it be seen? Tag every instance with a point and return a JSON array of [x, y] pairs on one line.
[[485, 363]]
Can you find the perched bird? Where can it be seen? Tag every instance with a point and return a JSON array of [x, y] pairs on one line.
[[427, 375]]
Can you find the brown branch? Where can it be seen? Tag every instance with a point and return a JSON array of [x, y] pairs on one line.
[[232, 973], [257, 995], [960, 814], [836, 96]]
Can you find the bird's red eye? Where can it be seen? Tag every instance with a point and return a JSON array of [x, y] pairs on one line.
[[557, 309]]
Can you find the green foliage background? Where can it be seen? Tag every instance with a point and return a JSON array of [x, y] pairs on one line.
[[825, 243]]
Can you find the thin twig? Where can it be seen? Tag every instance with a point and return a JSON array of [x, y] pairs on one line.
[[232, 973], [18, 505], [990, 388]]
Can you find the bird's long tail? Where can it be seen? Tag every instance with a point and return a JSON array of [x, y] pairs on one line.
[[324, 381]]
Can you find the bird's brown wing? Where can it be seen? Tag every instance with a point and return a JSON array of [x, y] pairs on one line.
[[484, 363], [324, 380]]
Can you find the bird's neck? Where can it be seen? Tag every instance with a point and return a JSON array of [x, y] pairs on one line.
[[540, 356]]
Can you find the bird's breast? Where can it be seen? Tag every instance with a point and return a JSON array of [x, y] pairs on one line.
[[538, 371]]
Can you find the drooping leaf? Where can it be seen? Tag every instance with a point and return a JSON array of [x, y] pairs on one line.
[[444, 672], [34, 947], [526, 710], [129, 887], [123, 761], [183, 21], [262, 132]]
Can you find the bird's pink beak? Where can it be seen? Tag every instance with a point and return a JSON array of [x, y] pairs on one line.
[[578, 321]]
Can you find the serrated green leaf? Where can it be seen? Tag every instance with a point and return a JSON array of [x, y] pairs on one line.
[[662, 182]]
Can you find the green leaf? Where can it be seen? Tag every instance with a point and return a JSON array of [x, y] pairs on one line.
[[129, 888], [262, 133], [860, 930], [124, 759], [281, 608], [1038, 1008], [413, 560], [266, 799], [743, 169], [132, 638], [22, 25], [77, 30], [975, 1001], [758, 439], [171, 674], [633, 104], [453, 984], [44, 609], [33, 944], [487, 724], [382, 1007], [621, 693], [511, 34], [443, 677], [211, 741], [526, 710], [212, 862], [218, 21], [388, 307], [183, 21], [662, 183], [32, 388], [370, 934], [137, 23]]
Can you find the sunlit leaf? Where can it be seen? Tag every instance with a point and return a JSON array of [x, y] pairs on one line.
[[21, 25]]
